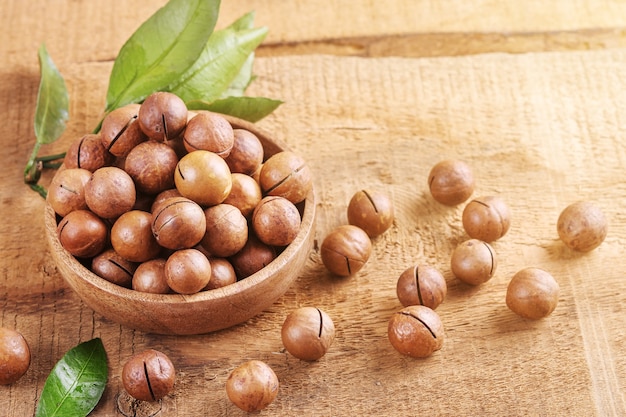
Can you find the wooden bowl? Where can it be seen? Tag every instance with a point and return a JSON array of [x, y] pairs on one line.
[[199, 313]]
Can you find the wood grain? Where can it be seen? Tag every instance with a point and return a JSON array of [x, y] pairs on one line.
[[539, 129]]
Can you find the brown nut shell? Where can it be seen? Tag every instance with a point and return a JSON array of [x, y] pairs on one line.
[[67, 190], [203, 177], [179, 223], [532, 293], [474, 262], [210, 132], [151, 165], [162, 116], [486, 218], [252, 386], [372, 211], [246, 156], [451, 182], [187, 271], [112, 267], [222, 274], [287, 175], [345, 250], [245, 193], [307, 333], [82, 233], [149, 375], [416, 331], [150, 277], [120, 130], [421, 285], [14, 356], [132, 237], [226, 230], [110, 192], [254, 256], [88, 153], [582, 226], [276, 221]]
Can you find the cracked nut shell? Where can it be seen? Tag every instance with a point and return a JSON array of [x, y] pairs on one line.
[[486, 218], [451, 182], [474, 262], [148, 376], [416, 331], [421, 285], [345, 250], [307, 333], [372, 211]]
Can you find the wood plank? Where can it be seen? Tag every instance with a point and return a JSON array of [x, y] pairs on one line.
[[80, 31]]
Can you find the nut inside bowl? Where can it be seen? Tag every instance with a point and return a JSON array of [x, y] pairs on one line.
[[198, 313]]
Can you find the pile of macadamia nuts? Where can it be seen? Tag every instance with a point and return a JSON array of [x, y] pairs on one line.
[[166, 200]]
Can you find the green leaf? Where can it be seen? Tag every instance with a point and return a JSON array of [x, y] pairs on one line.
[[251, 109], [161, 49], [238, 86], [51, 112], [76, 383], [220, 63]]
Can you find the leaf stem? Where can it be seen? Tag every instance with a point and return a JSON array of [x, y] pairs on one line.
[[32, 171]]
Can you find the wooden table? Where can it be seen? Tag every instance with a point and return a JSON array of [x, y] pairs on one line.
[[530, 94]]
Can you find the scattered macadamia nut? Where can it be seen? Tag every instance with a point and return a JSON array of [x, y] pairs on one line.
[[252, 386], [416, 331], [582, 226], [421, 285], [14, 356], [532, 293], [307, 333], [345, 250], [451, 182], [487, 218], [372, 211], [474, 262], [148, 376]]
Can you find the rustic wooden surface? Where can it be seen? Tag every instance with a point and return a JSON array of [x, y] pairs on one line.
[[368, 106]]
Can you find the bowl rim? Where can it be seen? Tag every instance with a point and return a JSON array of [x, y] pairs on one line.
[[236, 288]]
